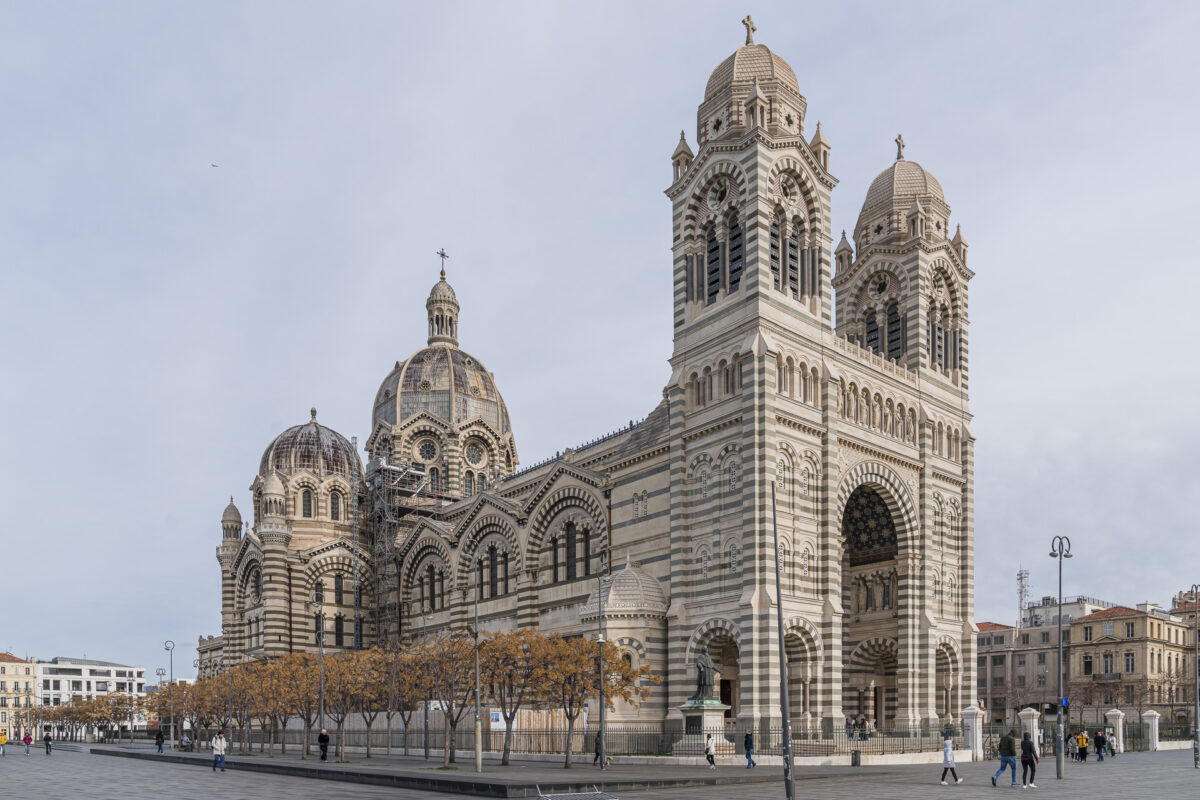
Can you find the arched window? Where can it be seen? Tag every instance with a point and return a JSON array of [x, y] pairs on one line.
[[775, 254], [358, 637], [736, 254], [335, 506], [704, 563], [493, 571], [338, 589], [318, 633], [572, 553], [306, 502], [319, 592], [872, 341], [704, 484], [504, 565], [734, 557], [554, 560], [713, 267], [895, 336], [793, 261], [481, 484], [587, 551], [469, 483], [339, 631], [731, 476]]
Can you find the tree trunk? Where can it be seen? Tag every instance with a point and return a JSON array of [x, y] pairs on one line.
[[341, 748], [570, 735], [283, 736], [508, 725], [306, 748], [389, 733], [446, 744], [368, 724]]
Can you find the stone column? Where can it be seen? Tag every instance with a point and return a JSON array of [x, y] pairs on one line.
[[1030, 717], [1151, 719], [1116, 720], [972, 720]]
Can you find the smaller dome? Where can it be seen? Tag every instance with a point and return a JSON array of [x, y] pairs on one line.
[[628, 593], [311, 447], [442, 292], [232, 515], [274, 485], [745, 65], [895, 190]]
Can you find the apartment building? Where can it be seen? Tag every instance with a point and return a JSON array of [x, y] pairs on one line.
[[17, 691]]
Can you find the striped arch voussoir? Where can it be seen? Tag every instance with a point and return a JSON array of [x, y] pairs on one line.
[[422, 548], [634, 645], [948, 644], [560, 501], [796, 170], [808, 634], [705, 632], [480, 529], [726, 169], [871, 652], [896, 495], [333, 562]]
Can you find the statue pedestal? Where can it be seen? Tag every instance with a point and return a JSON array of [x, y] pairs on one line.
[[700, 718]]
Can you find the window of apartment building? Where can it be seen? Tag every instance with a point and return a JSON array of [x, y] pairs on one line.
[[1108, 663], [1045, 637], [1087, 633], [981, 661], [1129, 694], [1020, 680], [998, 639], [1066, 637], [1087, 665], [1128, 630], [981, 682], [1041, 682], [1024, 638], [997, 703], [1041, 659], [1021, 660], [1108, 629], [997, 680], [2, 670], [57, 686], [1108, 698], [997, 661], [3, 702], [4, 685], [46, 685], [76, 686], [101, 686], [1130, 662]]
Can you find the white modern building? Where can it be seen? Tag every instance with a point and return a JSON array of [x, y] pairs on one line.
[[62, 678]]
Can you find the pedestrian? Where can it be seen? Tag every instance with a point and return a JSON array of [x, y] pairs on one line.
[[849, 725], [27, 740], [710, 752], [46, 739], [158, 740], [1029, 762], [1008, 756], [218, 749], [185, 744], [1101, 745], [750, 762], [1071, 751], [3, 741], [1081, 741], [323, 743], [948, 759]]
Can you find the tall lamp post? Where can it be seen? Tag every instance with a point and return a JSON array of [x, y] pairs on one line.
[[1060, 548], [475, 633], [601, 744], [426, 611], [169, 646], [320, 610], [1196, 685], [228, 660]]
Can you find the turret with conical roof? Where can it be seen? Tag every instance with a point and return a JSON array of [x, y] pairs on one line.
[[442, 306]]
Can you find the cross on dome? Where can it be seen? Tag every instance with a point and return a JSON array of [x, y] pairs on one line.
[[899, 147], [750, 29]]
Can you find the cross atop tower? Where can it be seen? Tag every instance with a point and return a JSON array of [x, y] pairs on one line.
[[750, 29], [443, 255], [899, 147]]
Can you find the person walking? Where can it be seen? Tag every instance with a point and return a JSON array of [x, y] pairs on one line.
[[323, 743], [1081, 742], [48, 742], [218, 749], [750, 762], [3, 741], [1101, 744], [948, 759], [710, 752], [1029, 762], [1008, 756], [1071, 751], [28, 740], [158, 740]]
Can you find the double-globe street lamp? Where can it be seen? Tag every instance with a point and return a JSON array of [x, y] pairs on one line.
[[1060, 548], [169, 646]]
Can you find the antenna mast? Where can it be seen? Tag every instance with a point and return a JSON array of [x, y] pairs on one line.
[[1022, 593]]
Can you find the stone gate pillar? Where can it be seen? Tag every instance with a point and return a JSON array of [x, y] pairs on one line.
[[1030, 721], [972, 720], [1116, 720], [1151, 720]]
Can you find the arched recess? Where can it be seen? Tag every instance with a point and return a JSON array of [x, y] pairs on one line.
[[571, 498], [802, 644], [428, 548], [894, 493], [490, 525], [723, 639], [947, 678], [870, 681]]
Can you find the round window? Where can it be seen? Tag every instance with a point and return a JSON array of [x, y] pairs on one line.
[[427, 450], [474, 454]]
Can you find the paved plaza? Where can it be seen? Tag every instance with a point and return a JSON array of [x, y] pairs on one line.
[[72, 773]]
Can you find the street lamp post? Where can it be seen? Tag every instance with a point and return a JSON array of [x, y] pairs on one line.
[[1196, 685], [601, 745], [169, 646], [478, 722], [228, 659], [1060, 548], [320, 609], [425, 613]]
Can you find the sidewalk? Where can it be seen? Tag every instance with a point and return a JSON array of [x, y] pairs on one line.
[[520, 779]]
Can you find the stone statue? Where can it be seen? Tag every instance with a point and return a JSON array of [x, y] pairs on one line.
[[704, 675]]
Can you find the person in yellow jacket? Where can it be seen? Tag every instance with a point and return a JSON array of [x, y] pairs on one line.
[[3, 741], [1081, 740]]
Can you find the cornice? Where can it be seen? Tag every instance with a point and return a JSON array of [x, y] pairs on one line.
[[799, 425], [645, 455], [880, 455], [711, 429]]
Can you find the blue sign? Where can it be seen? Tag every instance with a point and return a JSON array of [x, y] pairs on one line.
[[1066, 702]]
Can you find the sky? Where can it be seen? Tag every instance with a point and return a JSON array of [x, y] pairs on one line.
[[214, 216]]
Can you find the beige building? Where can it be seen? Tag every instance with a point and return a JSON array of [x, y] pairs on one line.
[[858, 424], [17, 690]]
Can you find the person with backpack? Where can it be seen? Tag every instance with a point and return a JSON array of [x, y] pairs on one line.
[[158, 740], [1008, 757], [749, 743], [1029, 762], [1082, 742]]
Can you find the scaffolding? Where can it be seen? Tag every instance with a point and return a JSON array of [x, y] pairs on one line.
[[400, 495]]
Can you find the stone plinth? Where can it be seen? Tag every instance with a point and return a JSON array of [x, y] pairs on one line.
[[700, 718]]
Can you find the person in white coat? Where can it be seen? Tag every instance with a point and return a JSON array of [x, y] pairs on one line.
[[218, 748], [948, 759], [710, 751]]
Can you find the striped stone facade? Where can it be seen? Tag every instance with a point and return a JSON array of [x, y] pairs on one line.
[[854, 441]]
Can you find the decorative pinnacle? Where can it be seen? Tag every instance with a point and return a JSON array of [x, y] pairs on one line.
[[899, 147], [750, 29]]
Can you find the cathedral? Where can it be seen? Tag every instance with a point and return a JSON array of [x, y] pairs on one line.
[[818, 392]]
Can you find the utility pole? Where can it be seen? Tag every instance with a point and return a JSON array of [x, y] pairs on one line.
[[789, 783]]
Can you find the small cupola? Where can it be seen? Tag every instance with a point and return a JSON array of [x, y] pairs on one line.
[[916, 220], [820, 148], [231, 521], [755, 108], [844, 254], [442, 306], [959, 244]]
